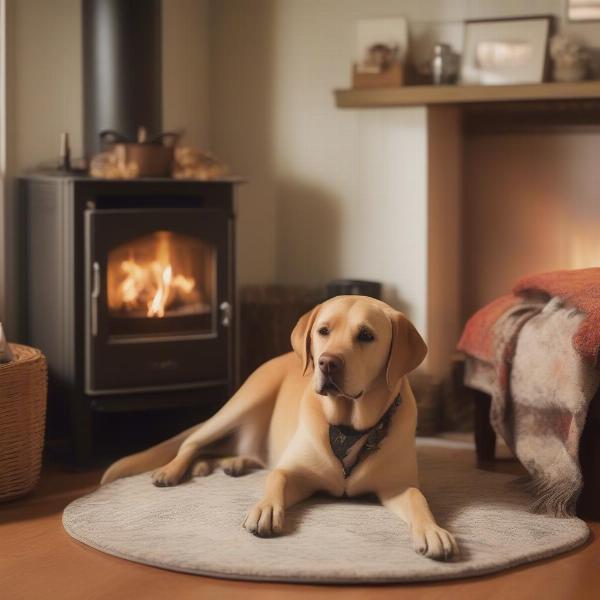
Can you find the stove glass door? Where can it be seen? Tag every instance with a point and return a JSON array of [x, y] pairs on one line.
[[158, 297]]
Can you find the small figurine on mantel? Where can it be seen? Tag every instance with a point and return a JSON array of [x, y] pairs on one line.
[[571, 59], [380, 67], [381, 50], [379, 58]]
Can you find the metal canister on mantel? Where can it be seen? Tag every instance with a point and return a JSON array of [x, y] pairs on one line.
[[444, 65]]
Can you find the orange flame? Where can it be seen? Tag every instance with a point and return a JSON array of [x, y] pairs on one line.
[[152, 284]]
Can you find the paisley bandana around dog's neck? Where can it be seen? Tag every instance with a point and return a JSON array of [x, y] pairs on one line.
[[343, 437]]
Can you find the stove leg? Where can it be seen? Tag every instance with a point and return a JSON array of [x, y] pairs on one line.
[[81, 430]]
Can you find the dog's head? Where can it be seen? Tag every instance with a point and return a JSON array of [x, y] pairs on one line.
[[353, 343]]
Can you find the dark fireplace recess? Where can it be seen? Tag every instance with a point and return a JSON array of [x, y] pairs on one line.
[[130, 295]]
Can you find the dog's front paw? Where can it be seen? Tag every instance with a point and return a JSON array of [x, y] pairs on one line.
[[434, 542], [265, 519]]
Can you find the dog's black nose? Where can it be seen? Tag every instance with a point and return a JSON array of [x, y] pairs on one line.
[[330, 364]]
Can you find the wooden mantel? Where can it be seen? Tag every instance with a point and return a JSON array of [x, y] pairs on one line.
[[423, 95]]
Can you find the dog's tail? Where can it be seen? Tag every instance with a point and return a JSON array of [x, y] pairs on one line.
[[259, 388]]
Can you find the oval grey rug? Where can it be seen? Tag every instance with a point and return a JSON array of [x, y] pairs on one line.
[[196, 528]]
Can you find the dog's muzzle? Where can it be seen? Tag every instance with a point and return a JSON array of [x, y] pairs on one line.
[[331, 368], [327, 386]]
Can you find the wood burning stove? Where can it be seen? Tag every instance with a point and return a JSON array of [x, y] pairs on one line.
[[130, 292]]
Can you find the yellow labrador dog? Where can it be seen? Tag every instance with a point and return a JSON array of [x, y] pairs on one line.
[[336, 415]]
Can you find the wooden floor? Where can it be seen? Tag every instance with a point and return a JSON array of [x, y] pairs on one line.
[[38, 560]]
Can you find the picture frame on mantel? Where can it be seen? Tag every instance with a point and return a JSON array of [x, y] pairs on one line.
[[583, 10], [506, 51]]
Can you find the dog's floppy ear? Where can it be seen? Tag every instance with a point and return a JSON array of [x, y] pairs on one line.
[[407, 349], [301, 336]]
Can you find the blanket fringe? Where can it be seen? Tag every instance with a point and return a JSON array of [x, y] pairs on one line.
[[555, 499]]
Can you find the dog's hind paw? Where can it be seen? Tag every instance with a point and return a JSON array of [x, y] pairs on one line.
[[164, 478], [202, 468], [236, 466]]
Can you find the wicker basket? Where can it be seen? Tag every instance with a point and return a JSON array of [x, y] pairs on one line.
[[23, 387]]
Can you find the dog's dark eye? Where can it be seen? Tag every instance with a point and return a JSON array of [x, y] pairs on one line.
[[364, 335], [324, 331]]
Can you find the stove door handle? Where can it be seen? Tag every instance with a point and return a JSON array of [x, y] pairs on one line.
[[95, 295], [225, 309]]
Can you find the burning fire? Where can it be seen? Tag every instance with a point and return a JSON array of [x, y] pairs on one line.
[[156, 306], [151, 285]]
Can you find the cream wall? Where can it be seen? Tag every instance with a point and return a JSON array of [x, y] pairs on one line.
[[305, 214], [242, 56], [45, 95], [185, 56], [331, 193], [43, 98]]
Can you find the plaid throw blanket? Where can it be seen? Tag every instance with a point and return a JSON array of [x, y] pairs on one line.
[[536, 353]]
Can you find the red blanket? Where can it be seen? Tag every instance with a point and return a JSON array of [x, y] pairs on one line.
[[535, 352], [578, 288]]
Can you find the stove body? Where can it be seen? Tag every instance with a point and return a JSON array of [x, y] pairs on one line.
[[130, 293]]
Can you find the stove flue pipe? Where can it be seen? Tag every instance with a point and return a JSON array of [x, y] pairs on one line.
[[122, 72]]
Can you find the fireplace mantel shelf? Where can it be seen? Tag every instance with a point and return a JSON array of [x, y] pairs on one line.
[[424, 95]]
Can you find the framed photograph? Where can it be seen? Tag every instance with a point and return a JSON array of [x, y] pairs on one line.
[[506, 51], [583, 10]]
